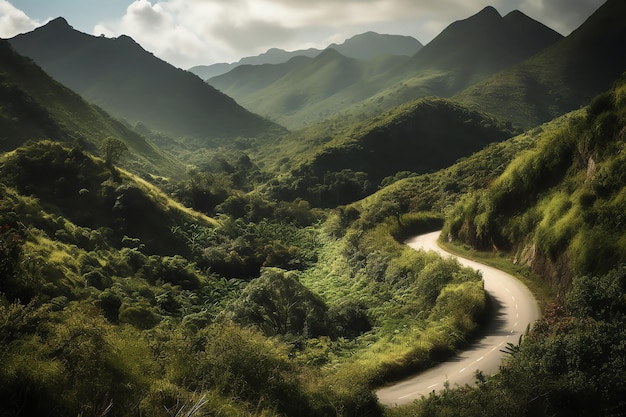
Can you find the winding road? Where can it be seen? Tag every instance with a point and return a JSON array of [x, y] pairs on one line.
[[514, 309]]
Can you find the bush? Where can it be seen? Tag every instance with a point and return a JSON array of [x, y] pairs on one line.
[[141, 316]]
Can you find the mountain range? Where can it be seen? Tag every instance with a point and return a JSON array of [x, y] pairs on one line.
[[465, 52], [131, 83], [365, 46], [560, 78]]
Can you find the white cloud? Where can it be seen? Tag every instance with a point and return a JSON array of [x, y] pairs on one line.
[[192, 32], [561, 15], [14, 21]]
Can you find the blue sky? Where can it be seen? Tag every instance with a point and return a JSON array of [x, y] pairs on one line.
[[194, 32]]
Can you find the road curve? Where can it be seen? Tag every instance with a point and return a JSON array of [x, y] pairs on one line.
[[514, 309]]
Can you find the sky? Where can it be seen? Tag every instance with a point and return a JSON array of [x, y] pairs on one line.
[[203, 32]]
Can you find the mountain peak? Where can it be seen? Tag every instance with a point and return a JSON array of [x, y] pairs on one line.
[[488, 14], [57, 25], [370, 44], [59, 22], [489, 11], [329, 53]]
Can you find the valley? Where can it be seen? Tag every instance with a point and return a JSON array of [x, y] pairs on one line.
[[230, 240]]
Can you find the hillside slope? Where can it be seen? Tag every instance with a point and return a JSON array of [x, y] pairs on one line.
[[561, 78], [422, 136], [34, 106], [131, 83], [305, 90], [559, 207]]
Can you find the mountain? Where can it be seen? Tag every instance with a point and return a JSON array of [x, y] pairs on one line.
[[272, 56], [247, 79], [304, 90], [129, 82], [421, 136], [371, 45], [33, 106], [465, 52], [560, 78], [365, 46]]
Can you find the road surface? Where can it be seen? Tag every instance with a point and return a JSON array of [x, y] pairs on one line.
[[514, 309]]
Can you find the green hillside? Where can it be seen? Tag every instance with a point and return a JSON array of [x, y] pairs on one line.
[[558, 207], [560, 78], [549, 203], [114, 298], [304, 90], [132, 84], [267, 277], [422, 136], [33, 106]]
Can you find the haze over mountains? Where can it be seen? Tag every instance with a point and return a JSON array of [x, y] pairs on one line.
[[465, 52], [365, 46], [130, 83], [344, 92]]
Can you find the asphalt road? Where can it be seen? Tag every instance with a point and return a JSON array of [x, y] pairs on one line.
[[515, 308]]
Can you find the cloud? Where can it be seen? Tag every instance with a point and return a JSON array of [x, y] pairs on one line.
[[14, 21], [190, 32], [561, 15]]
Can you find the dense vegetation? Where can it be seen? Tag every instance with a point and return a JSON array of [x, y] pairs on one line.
[[558, 208], [241, 285], [114, 297], [331, 165]]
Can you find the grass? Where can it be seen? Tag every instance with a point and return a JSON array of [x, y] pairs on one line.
[[505, 262]]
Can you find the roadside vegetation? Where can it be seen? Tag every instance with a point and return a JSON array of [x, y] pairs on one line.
[[556, 209]]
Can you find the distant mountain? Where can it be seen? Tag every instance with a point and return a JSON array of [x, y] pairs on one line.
[[372, 45], [247, 79], [33, 106], [272, 56], [129, 82], [562, 77], [365, 46], [303, 90], [466, 52]]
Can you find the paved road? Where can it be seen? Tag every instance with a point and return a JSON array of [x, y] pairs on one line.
[[515, 308]]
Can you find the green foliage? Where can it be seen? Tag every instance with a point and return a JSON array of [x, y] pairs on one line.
[[564, 198], [113, 149], [420, 136], [278, 303]]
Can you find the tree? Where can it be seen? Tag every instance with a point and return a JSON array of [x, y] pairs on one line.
[[113, 149], [279, 304]]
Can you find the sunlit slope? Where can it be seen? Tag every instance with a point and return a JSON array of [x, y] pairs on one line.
[[561, 78], [559, 207]]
